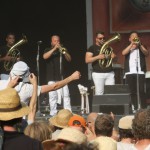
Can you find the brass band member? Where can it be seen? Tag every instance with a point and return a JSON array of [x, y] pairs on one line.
[[101, 76], [10, 41], [135, 54], [54, 72]]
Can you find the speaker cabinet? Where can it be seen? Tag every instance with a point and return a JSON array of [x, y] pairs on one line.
[[117, 103]]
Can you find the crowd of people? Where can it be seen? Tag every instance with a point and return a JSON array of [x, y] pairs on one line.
[[66, 130]]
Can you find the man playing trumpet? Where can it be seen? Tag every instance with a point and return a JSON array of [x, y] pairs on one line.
[[135, 68], [55, 55]]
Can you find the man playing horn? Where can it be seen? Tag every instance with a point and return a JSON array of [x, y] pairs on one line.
[[101, 75], [10, 41]]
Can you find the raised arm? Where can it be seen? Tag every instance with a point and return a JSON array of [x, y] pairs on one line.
[[67, 56], [33, 101], [127, 49], [144, 50], [47, 88], [49, 53]]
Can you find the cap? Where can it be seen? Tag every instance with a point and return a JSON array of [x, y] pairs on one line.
[[21, 69], [77, 121], [126, 122]]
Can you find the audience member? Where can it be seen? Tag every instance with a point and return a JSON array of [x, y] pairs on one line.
[[11, 113], [141, 129], [60, 121], [52, 145], [70, 135], [115, 134], [33, 102], [103, 129], [125, 132], [25, 89], [77, 122], [74, 146], [91, 120], [39, 130]]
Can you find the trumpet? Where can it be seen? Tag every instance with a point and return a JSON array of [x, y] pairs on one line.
[[136, 40], [62, 50]]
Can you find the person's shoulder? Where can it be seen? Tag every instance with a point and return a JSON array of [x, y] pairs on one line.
[[29, 141]]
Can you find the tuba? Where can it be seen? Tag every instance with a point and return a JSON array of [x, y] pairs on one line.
[[14, 53], [107, 51]]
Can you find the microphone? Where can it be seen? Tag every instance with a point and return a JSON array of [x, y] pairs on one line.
[[39, 42]]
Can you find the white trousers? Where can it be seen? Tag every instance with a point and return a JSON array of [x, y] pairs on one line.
[[101, 79], [56, 96]]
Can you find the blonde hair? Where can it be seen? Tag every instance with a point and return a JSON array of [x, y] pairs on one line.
[[39, 130]]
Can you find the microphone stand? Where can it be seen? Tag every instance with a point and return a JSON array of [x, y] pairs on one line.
[[38, 76], [137, 81], [61, 74]]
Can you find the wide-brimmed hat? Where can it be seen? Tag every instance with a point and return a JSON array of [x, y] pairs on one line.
[[77, 121], [21, 69], [61, 119], [126, 122], [10, 105], [72, 135]]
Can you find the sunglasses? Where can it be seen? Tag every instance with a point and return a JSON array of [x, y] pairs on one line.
[[101, 38]]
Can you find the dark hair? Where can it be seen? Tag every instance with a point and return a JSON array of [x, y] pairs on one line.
[[10, 33], [51, 145], [141, 124], [99, 32], [16, 123], [125, 133], [74, 146], [133, 32], [104, 125]]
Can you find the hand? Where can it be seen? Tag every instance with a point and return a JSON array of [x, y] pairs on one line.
[[33, 79], [56, 46], [101, 56], [76, 75], [18, 59], [113, 55], [8, 58], [13, 82], [90, 135], [112, 115]]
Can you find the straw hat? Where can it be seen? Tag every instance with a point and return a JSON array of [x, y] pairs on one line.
[[77, 121], [72, 135], [61, 119], [126, 122], [21, 69], [10, 105]]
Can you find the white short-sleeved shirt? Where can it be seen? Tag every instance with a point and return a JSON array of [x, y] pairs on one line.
[[134, 62], [24, 90]]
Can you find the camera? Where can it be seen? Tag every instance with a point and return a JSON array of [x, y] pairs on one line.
[[20, 80]]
